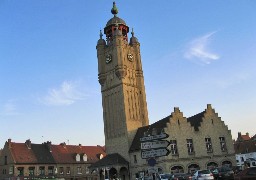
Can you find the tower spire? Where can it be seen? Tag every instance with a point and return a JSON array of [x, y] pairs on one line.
[[101, 34], [114, 9]]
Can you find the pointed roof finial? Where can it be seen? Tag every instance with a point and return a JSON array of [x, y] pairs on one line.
[[101, 34], [132, 33], [114, 9]]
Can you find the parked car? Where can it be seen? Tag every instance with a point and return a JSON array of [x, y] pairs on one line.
[[203, 175], [181, 176], [247, 174], [223, 173]]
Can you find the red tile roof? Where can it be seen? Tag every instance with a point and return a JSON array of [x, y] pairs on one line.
[[245, 137], [67, 153], [41, 153], [22, 154]]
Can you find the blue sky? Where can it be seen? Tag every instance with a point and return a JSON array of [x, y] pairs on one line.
[[194, 53]]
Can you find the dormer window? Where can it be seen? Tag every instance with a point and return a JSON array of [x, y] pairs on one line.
[[85, 157], [77, 157], [101, 156]]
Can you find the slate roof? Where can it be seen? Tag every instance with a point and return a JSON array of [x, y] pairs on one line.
[[159, 125], [110, 159], [42, 154], [195, 121]]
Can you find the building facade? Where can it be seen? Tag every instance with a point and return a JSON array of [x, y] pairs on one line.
[[245, 149], [202, 141], [48, 161], [198, 142]]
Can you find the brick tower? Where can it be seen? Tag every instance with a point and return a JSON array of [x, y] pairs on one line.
[[122, 85]]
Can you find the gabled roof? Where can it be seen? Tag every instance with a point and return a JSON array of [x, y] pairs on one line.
[[67, 153], [195, 121], [245, 137], [22, 154], [158, 126], [47, 153], [42, 154], [110, 159]]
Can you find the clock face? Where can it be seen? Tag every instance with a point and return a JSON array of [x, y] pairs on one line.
[[108, 58], [130, 57]]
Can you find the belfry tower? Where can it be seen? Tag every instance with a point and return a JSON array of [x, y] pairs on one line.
[[122, 85]]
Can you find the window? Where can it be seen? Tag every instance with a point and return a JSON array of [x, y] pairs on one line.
[[173, 145], [50, 170], [31, 171], [5, 160], [11, 170], [42, 170], [101, 156], [208, 144], [79, 170], [61, 170], [85, 157], [87, 170], [223, 144], [242, 159], [135, 158], [20, 171], [77, 157], [4, 171], [68, 170], [190, 146]]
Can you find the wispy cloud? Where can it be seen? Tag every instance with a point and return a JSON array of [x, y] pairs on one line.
[[9, 108], [66, 94], [198, 50]]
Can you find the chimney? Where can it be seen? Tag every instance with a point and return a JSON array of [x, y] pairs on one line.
[[9, 143], [49, 145], [63, 144], [28, 143], [239, 134]]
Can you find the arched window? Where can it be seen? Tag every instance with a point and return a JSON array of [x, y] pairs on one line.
[[212, 165], [193, 167], [177, 169], [227, 163]]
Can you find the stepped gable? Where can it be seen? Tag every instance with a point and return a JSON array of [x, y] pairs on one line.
[[159, 126], [66, 153], [196, 120]]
